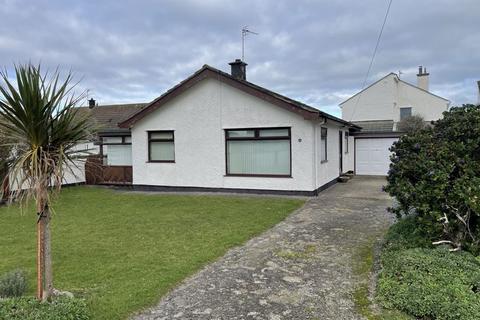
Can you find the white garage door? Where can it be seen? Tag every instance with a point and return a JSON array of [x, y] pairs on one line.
[[372, 156]]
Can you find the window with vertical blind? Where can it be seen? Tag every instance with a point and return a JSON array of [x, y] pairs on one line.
[[161, 146], [258, 152], [323, 144], [117, 151]]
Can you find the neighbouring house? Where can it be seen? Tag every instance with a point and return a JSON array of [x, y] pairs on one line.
[[216, 131], [112, 160], [378, 109]]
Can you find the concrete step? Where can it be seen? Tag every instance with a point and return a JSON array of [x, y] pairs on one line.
[[343, 179]]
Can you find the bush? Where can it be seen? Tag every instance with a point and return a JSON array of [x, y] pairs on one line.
[[407, 233], [13, 284], [411, 124], [31, 309], [435, 173], [431, 283]]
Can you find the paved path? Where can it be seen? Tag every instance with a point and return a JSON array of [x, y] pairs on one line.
[[300, 269]]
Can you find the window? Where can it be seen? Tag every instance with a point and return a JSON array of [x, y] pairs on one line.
[[117, 151], [323, 144], [161, 147], [258, 152], [405, 112], [346, 141]]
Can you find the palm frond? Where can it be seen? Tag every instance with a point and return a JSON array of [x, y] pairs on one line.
[[39, 118]]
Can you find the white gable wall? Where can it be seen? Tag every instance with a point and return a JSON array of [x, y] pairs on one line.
[[199, 117], [374, 103], [424, 104], [383, 100]]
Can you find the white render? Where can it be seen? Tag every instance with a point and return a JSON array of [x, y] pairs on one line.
[[373, 155], [199, 117], [383, 100], [73, 174]]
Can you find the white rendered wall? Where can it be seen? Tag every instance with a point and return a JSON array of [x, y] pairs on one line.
[[72, 175], [329, 170], [199, 117], [383, 100], [374, 103], [422, 103], [76, 172]]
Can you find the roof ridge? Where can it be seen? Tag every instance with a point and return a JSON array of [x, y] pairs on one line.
[[426, 91], [370, 85], [291, 104], [399, 79]]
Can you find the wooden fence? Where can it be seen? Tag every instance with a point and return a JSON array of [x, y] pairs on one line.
[[98, 173]]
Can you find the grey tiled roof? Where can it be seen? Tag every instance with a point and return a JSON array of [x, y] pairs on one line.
[[375, 125], [108, 117]]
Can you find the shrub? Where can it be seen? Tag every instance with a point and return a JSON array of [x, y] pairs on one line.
[[407, 233], [31, 309], [435, 173], [431, 283], [13, 284], [411, 124]]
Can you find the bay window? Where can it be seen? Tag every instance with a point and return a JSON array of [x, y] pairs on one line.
[[258, 152]]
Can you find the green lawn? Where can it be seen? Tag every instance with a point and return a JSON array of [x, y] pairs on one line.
[[122, 252]]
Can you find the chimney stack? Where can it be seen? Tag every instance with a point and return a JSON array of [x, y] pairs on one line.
[[239, 69], [422, 78], [91, 103]]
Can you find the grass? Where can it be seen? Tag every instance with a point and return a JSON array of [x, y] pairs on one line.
[[363, 267], [307, 252], [122, 252]]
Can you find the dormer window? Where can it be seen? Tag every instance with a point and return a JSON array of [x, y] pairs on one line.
[[405, 113]]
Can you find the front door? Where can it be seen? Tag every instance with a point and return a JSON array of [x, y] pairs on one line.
[[340, 150]]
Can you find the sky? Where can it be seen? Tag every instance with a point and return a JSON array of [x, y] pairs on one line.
[[313, 51]]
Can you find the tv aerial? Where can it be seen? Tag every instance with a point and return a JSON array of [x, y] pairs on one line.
[[245, 32]]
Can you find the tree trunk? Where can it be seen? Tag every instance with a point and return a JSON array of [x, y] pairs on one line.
[[48, 282], [40, 255], [44, 258]]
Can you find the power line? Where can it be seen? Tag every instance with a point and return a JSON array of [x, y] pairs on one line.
[[373, 57]]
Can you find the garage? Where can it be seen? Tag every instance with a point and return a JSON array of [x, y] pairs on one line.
[[372, 156]]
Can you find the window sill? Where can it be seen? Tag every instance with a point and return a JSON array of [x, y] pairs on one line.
[[161, 161], [324, 161], [259, 175]]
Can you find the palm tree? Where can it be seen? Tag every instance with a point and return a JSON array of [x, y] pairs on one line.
[[39, 119]]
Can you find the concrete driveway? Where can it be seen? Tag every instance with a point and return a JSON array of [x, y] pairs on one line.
[[300, 269]]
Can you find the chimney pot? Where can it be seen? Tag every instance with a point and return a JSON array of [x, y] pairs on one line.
[[239, 69], [422, 78], [91, 103]]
